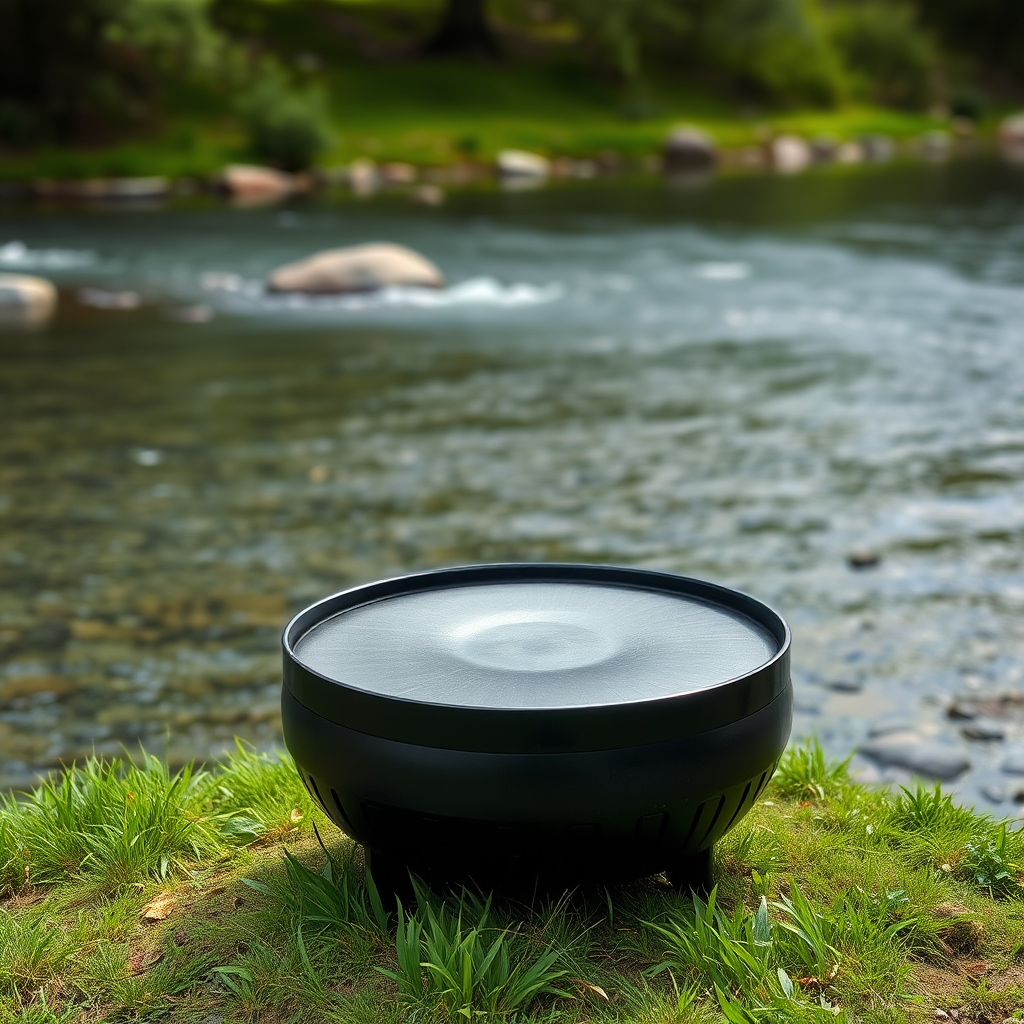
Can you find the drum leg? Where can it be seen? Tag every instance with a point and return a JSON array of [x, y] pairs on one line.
[[391, 878], [692, 873]]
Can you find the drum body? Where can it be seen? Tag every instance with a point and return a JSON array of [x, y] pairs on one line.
[[477, 770]]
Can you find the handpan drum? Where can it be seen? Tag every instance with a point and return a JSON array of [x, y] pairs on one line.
[[513, 723]]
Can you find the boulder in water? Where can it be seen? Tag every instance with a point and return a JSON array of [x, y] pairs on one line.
[[359, 268], [25, 299]]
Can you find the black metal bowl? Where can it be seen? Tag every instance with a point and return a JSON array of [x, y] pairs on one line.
[[508, 723]]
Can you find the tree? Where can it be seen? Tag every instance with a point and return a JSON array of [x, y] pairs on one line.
[[464, 30]]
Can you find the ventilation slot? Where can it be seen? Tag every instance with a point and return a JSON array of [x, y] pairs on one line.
[[341, 810], [693, 824], [314, 789], [739, 807], [714, 821]]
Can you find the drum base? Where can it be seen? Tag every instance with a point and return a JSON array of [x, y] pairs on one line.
[[394, 880]]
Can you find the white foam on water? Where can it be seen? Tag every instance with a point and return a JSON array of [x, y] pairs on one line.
[[722, 271], [18, 254], [250, 296]]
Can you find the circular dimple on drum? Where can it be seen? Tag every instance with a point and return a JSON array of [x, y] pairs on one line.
[[532, 645]]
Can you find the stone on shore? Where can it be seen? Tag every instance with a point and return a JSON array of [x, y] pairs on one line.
[[790, 154], [1011, 131], [918, 756], [25, 299], [517, 163], [248, 183], [688, 149], [359, 268]]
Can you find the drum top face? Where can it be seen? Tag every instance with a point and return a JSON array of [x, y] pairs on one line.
[[535, 645]]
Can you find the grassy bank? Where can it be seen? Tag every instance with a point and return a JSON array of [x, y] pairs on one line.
[[135, 894], [443, 112]]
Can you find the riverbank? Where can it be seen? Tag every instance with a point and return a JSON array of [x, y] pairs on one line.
[[132, 892], [443, 114]]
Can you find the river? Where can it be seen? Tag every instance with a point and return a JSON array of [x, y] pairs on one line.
[[744, 381]]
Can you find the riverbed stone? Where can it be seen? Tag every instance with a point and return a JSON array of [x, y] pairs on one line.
[[845, 685], [890, 724], [983, 729], [359, 268], [25, 299], [517, 163], [1013, 763], [863, 558], [918, 756], [688, 149]]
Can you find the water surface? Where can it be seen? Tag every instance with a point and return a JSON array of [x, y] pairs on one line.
[[742, 382]]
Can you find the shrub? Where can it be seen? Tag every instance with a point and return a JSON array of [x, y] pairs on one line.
[[890, 58], [286, 126]]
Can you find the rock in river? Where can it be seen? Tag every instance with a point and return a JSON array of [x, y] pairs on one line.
[[917, 756], [359, 268], [25, 299]]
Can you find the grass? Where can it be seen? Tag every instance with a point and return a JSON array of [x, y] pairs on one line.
[[131, 893]]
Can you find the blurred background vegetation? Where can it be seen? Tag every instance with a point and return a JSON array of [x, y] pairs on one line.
[[293, 81]]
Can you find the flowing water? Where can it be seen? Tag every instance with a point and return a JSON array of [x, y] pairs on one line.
[[744, 381]]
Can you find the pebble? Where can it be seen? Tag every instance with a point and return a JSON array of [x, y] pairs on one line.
[[863, 558], [894, 723], [923, 758], [846, 685], [983, 729], [1013, 764], [994, 791], [962, 711]]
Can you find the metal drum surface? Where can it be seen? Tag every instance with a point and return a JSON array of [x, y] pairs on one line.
[[504, 723]]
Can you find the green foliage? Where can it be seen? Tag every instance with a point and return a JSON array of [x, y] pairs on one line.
[[775, 46], [995, 862], [453, 957], [933, 829], [111, 823], [621, 30], [891, 59], [263, 786], [820, 914], [286, 126], [333, 897], [805, 773]]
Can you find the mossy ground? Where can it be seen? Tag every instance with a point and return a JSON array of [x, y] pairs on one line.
[[136, 894]]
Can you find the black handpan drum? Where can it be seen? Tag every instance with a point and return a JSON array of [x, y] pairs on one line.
[[513, 723]]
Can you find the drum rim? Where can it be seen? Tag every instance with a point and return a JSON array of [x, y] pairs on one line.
[[568, 728]]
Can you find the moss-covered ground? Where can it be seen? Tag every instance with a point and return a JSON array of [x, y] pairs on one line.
[[130, 893]]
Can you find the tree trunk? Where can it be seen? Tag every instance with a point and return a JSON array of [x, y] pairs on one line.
[[463, 30]]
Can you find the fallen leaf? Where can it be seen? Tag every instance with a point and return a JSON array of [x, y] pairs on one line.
[[296, 814], [142, 959], [811, 984], [593, 989], [159, 908]]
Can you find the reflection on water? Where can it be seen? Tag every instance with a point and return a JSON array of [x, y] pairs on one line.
[[742, 383]]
